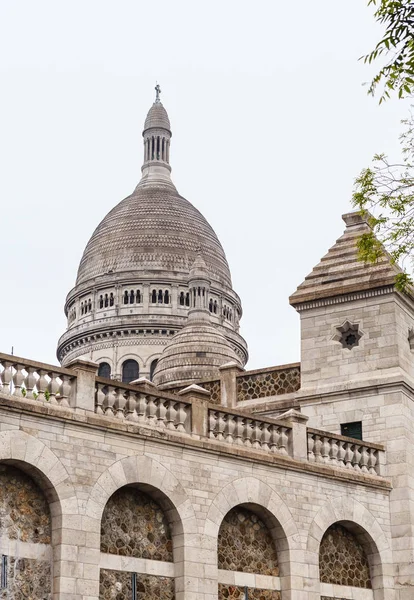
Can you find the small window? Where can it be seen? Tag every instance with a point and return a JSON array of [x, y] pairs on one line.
[[187, 299], [104, 370], [160, 296], [166, 297], [138, 297], [182, 300], [353, 430], [111, 299], [154, 296], [152, 368], [126, 297], [106, 300], [101, 302], [130, 371]]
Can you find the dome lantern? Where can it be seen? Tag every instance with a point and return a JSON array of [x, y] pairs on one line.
[[157, 137]]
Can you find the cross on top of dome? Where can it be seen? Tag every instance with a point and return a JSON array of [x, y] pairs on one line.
[[157, 93]]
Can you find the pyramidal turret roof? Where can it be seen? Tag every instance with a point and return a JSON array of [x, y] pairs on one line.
[[341, 272]]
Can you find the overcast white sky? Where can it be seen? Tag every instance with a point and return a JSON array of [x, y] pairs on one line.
[[270, 125]]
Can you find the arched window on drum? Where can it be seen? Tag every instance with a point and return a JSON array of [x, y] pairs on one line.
[[130, 371]]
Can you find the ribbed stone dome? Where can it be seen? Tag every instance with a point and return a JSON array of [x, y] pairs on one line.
[[154, 229], [157, 117], [194, 353]]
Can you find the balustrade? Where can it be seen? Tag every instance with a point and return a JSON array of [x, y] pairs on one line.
[[343, 452], [121, 402], [251, 433], [27, 379]]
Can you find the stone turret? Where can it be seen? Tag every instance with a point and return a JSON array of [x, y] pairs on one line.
[[199, 349]]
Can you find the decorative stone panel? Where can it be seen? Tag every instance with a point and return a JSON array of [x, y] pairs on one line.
[[342, 559], [27, 579], [271, 382], [245, 544], [24, 511], [134, 525], [117, 585], [214, 388], [233, 592]]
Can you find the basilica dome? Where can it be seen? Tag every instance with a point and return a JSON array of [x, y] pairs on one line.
[[132, 293], [154, 229]]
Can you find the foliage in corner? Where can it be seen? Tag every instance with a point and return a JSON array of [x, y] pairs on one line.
[[397, 45], [387, 190]]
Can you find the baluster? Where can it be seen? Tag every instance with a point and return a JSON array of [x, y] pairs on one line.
[[220, 426], [372, 461], [341, 454], [18, 379], [181, 417], [357, 457], [212, 422], [311, 445], [141, 408], [283, 442], [229, 429], [64, 390], [29, 382], [256, 434], [151, 411], [317, 448], [274, 438], [171, 414], [110, 400], [6, 377], [120, 403], [247, 433], [130, 407], [41, 385], [100, 398], [364, 459], [264, 440], [53, 388], [333, 451], [349, 454], [325, 449], [161, 412], [238, 431]]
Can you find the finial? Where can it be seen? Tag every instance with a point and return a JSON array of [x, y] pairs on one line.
[[157, 93]]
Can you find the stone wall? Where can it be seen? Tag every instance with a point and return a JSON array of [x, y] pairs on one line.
[[24, 511], [267, 382], [342, 559], [117, 585], [245, 544], [25, 521], [233, 592], [134, 525], [27, 579]]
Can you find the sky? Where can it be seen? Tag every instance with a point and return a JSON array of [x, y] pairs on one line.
[[271, 124]]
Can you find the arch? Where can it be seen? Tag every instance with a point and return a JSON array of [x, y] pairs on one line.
[[154, 296], [153, 367], [130, 370], [104, 370], [352, 515], [258, 497], [151, 476]]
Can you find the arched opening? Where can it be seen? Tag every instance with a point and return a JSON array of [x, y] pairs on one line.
[[182, 299], [111, 299], [210, 305], [160, 296], [246, 545], [215, 307], [135, 524], [138, 297], [132, 297], [104, 370], [152, 368], [187, 299], [126, 297], [130, 371], [344, 556], [166, 297], [154, 296], [25, 521], [101, 302], [106, 300]]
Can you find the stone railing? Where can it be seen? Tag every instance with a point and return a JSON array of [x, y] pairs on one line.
[[344, 452], [267, 435], [142, 406], [263, 383], [188, 412], [36, 381]]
